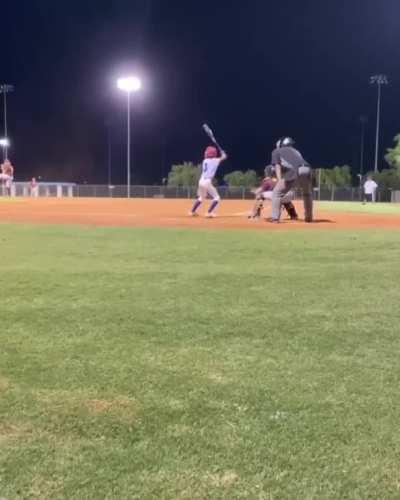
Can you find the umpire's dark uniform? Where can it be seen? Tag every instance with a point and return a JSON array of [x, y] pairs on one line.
[[295, 171]]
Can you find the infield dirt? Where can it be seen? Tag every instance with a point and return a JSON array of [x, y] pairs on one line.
[[232, 214]]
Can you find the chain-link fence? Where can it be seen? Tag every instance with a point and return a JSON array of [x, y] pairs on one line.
[[352, 194], [235, 193], [156, 192]]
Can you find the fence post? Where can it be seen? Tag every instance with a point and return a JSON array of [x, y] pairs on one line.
[[319, 184]]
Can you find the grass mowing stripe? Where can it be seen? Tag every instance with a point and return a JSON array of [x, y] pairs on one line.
[[154, 363]]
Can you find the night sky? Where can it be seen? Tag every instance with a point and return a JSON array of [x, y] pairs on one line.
[[254, 70]]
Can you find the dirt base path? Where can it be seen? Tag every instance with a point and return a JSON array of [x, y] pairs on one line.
[[170, 213]]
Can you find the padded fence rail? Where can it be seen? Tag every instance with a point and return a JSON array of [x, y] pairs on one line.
[[59, 190]]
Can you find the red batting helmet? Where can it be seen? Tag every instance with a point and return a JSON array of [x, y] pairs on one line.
[[211, 152]]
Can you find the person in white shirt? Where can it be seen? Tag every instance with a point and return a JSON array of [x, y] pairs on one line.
[[209, 168], [34, 187], [370, 187]]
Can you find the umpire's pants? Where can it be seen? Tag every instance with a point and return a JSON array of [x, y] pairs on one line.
[[304, 182], [280, 191]]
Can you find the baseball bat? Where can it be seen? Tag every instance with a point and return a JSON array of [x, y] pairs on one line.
[[211, 135]]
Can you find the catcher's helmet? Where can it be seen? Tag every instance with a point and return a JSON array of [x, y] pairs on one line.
[[211, 152], [285, 142]]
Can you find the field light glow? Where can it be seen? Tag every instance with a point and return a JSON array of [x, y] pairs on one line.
[[129, 84], [5, 143]]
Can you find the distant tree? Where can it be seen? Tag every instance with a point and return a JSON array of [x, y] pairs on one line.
[[250, 179], [186, 174], [328, 179], [336, 177], [389, 178], [343, 176], [393, 154], [234, 179], [238, 178]]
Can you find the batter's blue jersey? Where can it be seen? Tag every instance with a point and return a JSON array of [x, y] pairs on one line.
[[209, 168]]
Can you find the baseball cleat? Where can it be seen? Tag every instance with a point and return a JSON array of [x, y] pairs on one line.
[[192, 214], [210, 216], [272, 221]]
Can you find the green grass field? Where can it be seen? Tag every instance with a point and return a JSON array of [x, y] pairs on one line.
[[354, 206], [178, 364]]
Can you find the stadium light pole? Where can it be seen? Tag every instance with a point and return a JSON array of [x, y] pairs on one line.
[[378, 80], [5, 89], [363, 123], [108, 124], [129, 84]]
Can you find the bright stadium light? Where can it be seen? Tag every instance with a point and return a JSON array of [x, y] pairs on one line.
[[129, 84], [5, 143], [378, 80]]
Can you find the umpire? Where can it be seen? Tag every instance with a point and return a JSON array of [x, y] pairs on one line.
[[292, 171]]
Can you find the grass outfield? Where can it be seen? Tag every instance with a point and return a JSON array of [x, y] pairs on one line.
[[13, 199], [354, 206], [177, 364]]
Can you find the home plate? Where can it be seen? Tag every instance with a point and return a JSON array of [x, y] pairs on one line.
[[240, 214]]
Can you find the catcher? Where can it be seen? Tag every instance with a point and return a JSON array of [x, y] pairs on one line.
[[264, 192]]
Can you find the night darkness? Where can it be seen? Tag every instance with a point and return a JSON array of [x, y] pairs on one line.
[[254, 70]]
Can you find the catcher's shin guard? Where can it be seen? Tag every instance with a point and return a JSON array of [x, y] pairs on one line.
[[291, 210], [257, 209]]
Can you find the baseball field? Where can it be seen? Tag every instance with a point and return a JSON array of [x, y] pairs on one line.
[[148, 355]]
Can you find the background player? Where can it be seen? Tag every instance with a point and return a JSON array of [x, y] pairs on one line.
[[370, 187], [210, 166], [7, 175], [291, 169], [265, 191]]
